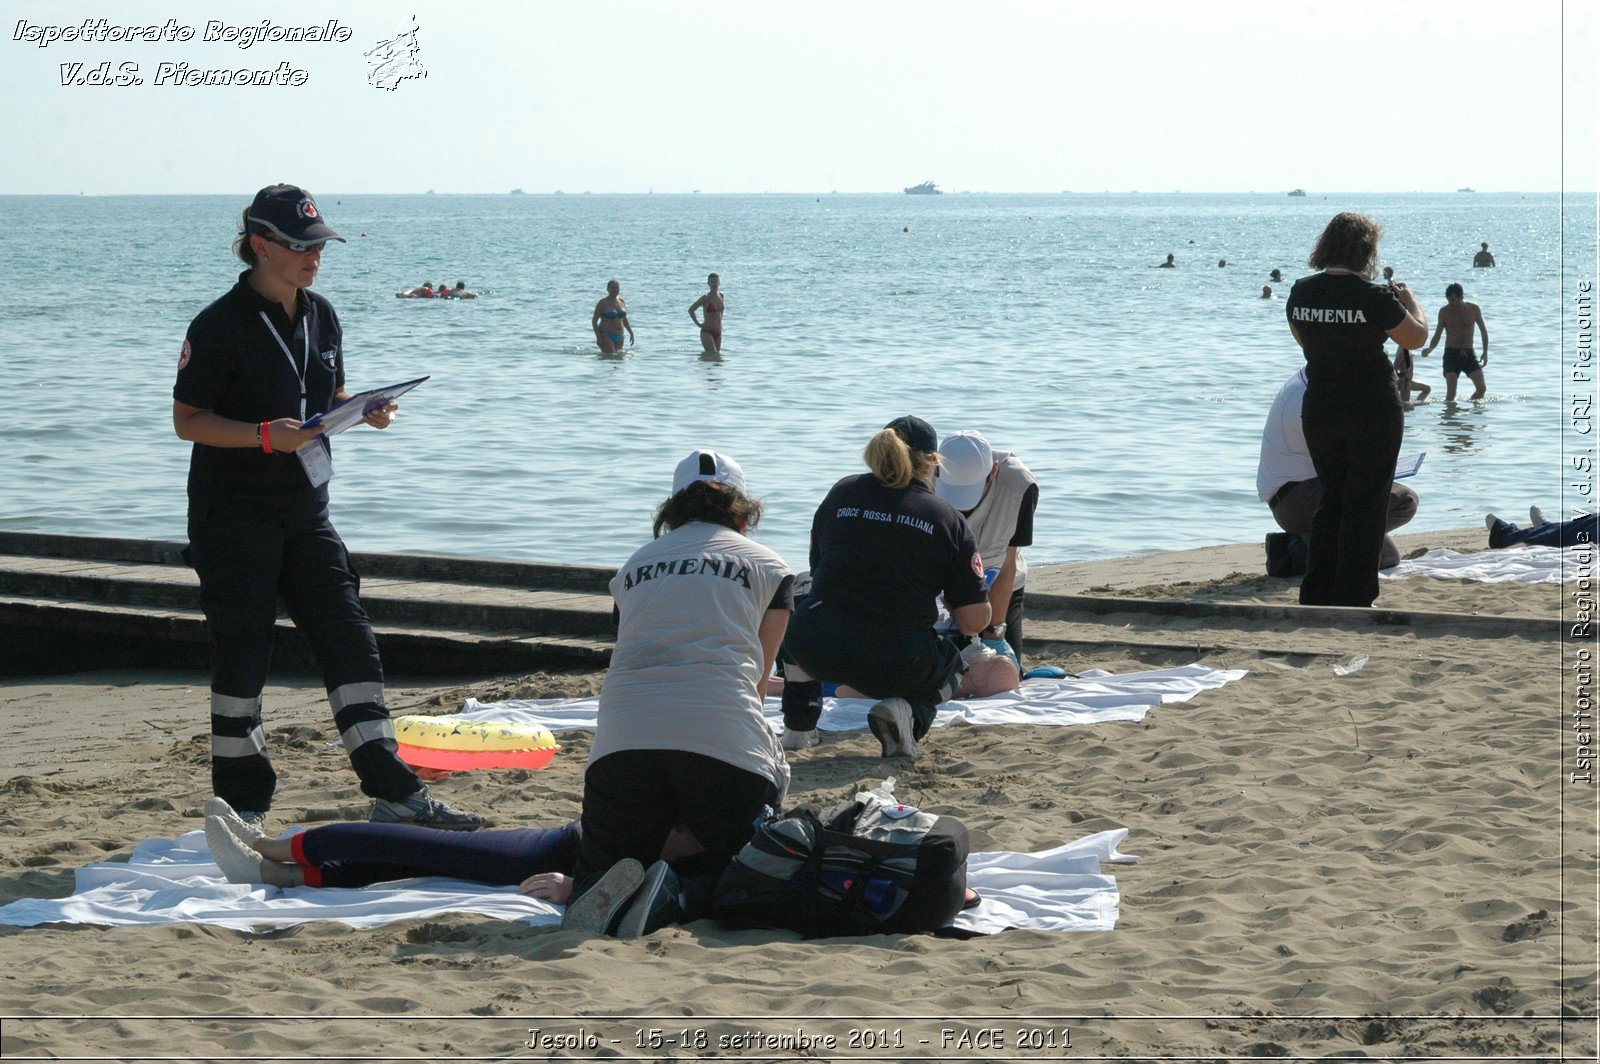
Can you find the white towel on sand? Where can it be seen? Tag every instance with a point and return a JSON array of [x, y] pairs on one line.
[[1092, 697], [1520, 565], [173, 881]]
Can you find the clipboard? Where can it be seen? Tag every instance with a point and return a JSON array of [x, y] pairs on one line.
[[358, 406], [1408, 464]]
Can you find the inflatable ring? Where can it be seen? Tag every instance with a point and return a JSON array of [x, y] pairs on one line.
[[453, 744]]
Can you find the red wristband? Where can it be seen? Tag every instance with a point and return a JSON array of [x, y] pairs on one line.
[[266, 436]]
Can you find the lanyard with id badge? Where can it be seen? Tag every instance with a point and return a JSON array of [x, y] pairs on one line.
[[313, 455]]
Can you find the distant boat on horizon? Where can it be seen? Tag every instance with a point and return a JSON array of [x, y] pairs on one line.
[[518, 192], [1466, 190], [927, 188], [1297, 192]]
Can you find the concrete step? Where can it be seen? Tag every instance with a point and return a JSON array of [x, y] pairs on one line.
[[72, 602], [389, 600], [35, 631], [1097, 608], [491, 572]]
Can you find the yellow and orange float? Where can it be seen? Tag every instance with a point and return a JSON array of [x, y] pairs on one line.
[[453, 744]]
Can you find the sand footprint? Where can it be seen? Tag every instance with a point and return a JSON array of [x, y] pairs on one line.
[[1528, 926]]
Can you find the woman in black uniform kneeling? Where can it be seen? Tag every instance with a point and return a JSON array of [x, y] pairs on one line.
[[1351, 411], [883, 548], [255, 364]]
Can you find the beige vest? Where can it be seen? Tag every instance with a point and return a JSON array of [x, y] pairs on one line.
[[994, 522]]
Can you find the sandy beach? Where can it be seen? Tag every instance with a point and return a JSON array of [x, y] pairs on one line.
[[1360, 865]]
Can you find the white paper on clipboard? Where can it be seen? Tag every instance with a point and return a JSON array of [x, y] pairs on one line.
[[354, 409], [1408, 464]]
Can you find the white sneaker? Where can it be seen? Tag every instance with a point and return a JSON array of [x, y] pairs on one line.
[[245, 830], [1489, 521], [596, 909], [795, 739], [239, 863], [1536, 515], [890, 721], [654, 904]]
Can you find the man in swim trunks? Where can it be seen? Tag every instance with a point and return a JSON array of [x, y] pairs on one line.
[[1483, 258], [1456, 319], [711, 304]]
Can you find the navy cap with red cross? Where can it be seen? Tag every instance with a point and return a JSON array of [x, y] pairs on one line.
[[289, 213]]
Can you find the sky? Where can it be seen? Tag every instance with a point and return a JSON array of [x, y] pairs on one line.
[[779, 96]]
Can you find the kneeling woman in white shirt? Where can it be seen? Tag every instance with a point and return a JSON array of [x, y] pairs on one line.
[[681, 739]]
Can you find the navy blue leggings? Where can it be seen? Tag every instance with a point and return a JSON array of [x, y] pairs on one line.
[[356, 855], [1579, 530]]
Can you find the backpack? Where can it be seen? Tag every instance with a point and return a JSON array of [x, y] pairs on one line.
[[865, 867]]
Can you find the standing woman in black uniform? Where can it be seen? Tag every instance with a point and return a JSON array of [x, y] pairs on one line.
[[256, 364], [1351, 412], [883, 548]]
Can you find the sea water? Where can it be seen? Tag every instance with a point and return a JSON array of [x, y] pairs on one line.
[[1135, 394]]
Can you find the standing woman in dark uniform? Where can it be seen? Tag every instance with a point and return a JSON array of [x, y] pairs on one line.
[[1351, 412], [256, 364], [883, 548]]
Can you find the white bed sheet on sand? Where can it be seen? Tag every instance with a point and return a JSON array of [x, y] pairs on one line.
[[1061, 889], [1090, 698], [1519, 565], [171, 881]]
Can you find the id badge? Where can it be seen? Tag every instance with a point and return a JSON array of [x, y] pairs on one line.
[[315, 461]]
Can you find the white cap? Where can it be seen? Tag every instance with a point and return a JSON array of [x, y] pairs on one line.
[[708, 465], [965, 459]]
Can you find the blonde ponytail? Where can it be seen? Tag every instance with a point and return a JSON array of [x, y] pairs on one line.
[[893, 461]]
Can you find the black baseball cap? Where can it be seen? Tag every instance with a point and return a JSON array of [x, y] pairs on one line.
[[289, 213], [917, 433]]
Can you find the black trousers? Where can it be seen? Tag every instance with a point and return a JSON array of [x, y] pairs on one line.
[[249, 553], [1353, 432], [633, 798], [881, 661]]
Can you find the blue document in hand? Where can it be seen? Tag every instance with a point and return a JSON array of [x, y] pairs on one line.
[[354, 409]]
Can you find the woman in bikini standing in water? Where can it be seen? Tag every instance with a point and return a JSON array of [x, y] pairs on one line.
[[711, 305], [613, 311]]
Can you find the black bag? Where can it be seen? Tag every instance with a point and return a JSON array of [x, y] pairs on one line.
[[865, 867], [1286, 554]]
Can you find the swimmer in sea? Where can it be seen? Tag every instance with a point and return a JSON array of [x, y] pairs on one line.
[[1483, 257], [711, 305], [425, 292], [1457, 318], [1168, 265], [1275, 275], [613, 311], [460, 291], [1266, 291]]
